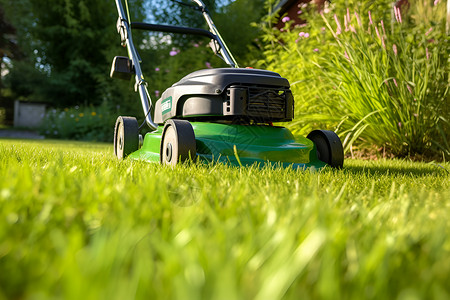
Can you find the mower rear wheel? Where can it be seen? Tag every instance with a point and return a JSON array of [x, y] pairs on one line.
[[328, 146], [126, 136], [178, 142]]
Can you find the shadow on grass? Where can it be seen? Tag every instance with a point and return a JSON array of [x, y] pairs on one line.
[[399, 169]]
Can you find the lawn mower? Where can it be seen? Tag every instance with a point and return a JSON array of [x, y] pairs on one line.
[[221, 115]]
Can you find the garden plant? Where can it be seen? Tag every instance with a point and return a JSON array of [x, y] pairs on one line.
[[377, 76]]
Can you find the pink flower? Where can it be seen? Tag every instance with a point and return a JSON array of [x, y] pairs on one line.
[[409, 89], [157, 93], [346, 56], [370, 18], [302, 34], [306, 35], [400, 124], [398, 14], [323, 29], [157, 69], [208, 65], [358, 19], [436, 2], [394, 48], [427, 53], [429, 31], [339, 28], [299, 12], [395, 82], [382, 26], [285, 19], [196, 45], [173, 52], [346, 23], [377, 32], [316, 50]]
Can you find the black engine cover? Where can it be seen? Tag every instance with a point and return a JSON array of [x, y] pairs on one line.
[[228, 93]]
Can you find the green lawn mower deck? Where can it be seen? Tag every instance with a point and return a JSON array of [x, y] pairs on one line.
[[236, 145], [220, 115]]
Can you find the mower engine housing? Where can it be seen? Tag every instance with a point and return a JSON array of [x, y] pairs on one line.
[[227, 94]]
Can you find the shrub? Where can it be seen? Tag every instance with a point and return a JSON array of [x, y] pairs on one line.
[[86, 123], [376, 83]]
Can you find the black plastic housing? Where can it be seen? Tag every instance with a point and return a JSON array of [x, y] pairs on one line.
[[122, 68], [228, 93]]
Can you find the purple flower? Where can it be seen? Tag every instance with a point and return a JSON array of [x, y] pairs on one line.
[[208, 65], [299, 12], [302, 34], [157, 69], [196, 45], [157, 93], [173, 53], [285, 19], [306, 35]]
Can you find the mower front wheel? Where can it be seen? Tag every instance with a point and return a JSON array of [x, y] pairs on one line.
[[178, 142], [328, 147], [126, 136]]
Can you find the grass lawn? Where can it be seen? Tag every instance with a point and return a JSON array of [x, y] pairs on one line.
[[77, 224]]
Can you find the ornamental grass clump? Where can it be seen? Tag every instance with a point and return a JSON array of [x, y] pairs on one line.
[[392, 82], [377, 75]]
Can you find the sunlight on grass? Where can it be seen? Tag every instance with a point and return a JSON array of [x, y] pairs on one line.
[[76, 223]]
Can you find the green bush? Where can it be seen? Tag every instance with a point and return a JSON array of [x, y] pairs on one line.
[[375, 83], [87, 123]]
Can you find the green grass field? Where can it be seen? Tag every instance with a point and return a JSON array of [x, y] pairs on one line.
[[77, 224]]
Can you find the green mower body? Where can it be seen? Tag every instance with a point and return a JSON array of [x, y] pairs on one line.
[[240, 145]]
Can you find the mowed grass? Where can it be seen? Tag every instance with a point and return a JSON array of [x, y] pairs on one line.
[[75, 223]]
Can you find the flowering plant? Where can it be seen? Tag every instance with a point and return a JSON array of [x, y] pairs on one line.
[[378, 81]]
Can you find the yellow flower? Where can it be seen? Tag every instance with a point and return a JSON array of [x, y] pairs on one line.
[[76, 119], [66, 109], [93, 113], [81, 115]]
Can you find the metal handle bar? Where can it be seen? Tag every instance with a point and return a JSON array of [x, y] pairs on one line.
[[224, 51], [140, 85]]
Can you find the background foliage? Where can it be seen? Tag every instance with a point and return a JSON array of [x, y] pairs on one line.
[[376, 81]]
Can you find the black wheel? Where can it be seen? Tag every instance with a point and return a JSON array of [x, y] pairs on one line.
[[177, 142], [329, 147], [126, 136]]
